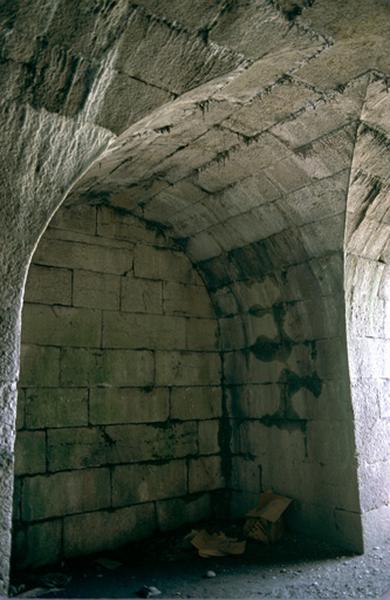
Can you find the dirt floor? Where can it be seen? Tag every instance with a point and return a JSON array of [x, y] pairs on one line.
[[295, 567]]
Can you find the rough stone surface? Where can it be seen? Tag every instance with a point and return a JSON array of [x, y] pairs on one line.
[[99, 427], [256, 136]]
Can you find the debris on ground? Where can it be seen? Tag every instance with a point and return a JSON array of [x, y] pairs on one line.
[[55, 580], [217, 544], [37, 592], [148, 591], [210, 574], [265, 522], [40, 585], [108, 563]]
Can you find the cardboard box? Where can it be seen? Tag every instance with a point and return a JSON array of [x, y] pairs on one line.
[[265, 523]]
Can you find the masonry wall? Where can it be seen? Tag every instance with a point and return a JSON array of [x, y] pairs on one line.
[[282, 318], [367, 290], [119, 397]]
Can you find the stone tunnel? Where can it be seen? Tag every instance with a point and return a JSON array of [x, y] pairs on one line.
[[195, 269]]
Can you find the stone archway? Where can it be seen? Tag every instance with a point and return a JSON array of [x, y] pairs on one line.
[[367, 310]]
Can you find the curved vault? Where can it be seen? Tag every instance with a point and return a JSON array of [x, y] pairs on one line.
[[255, 192]]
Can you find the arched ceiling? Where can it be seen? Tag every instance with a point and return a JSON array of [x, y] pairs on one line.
[[263, 148]]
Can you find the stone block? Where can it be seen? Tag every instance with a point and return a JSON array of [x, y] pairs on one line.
[[141, 295], [96, 290], [201, 334], [47, 285], [205, 474], [331, 360], [253, 401], [38, 544], [315, 319], [323, 198], [232, 333], [135, 484], [92, 532], [277, 440], [56, 407], [188, 368], [310, 518], [62, 494], [124, 226], [39, 366], [80, 218], [125, 330], [208, 432], [243, 367], [246, 474], [334, 403], [330, 442], [114, 444], [88, 256], [224, 302], [61, 326], [372, 441], [188, 403], [158, 263], [266, 109], [128, 405], [349, 527], [175, 512], [80, 367], [323, 237], [261, 325], [30, 452], [374, 485], [188, 300]]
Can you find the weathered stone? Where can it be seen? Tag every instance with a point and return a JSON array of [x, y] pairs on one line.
[[140, 296], [178, 511], [115, 444], [48, 285], [158, 263], [128, 405], [80, 367], [188, 403], [39, 365], [56, 407], [188, 300], [205, 474], [61, 326], [30, 452], [187, 368], [201, 334], [96, 290], [208, 432], [65, 493], [246, 475], [38, 544], [160, 332], [84, 256], [75, 218], [101, 530], [134, 484]]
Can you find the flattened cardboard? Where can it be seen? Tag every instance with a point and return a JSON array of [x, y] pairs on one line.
[[217, 544]]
